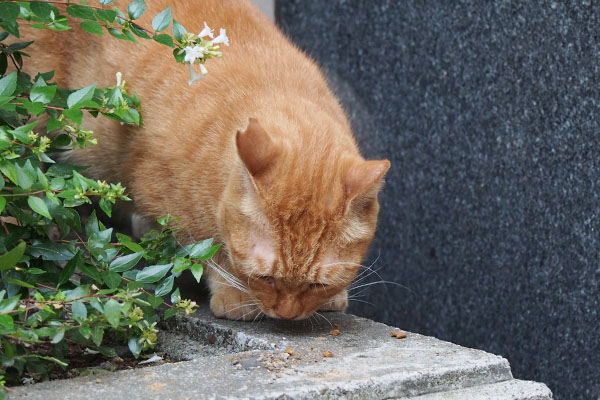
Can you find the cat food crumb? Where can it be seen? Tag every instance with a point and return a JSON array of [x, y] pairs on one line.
[[328, 354], [398, 334], [334, 332], [289, 351]]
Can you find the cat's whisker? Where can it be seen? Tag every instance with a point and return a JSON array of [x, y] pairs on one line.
[[378, 282], [322, 316], [232, 280], [229, 285], [260, 314], [362, 301], [251, 311], [242, 306]]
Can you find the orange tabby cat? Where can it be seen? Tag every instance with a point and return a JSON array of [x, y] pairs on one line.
[[259, 155]]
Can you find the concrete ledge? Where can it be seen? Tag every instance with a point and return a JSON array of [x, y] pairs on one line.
[[228, 359]]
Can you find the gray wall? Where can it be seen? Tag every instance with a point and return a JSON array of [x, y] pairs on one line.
[[489, 112]]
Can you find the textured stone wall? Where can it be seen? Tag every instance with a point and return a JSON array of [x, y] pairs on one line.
[[490, 114]]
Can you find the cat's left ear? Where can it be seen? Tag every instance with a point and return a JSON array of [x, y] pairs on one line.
[[256, 149], [364, 176]]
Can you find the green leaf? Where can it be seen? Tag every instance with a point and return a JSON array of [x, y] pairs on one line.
[[181, 264], [38, 206], [105, 206], [135, 346], [139, 32], [9, 11], [81, 95], [165, 287], [11, 258], [58, 337], [162, 20], [126, 241], [91, 271], [34, 108], [26, 175], [169, 313], [43, 94], [117, 33], [91, 225], [153, 273], [43, 9], [9, 304], [136, 9], [112, 279], [35, 271], [77, 293], [97, 334], [125, 263], [81, 12], [19, 283], [178, 31], [2, 204], [8, 169], [63, 170], [92, 27], [197, 270], [175, 296], [50, 251], [74, 114], [132, 116], [204, 249], [69, 269], [42, 178], [112, 312], [99, 239], [7, 325], [53, 124], [165, 39], [8, 84], [85, 331], [21, 132], [107, 15], [79, 309], [155, 301]]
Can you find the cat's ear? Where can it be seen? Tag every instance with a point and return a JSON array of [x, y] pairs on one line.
[[364, 176], [256, 149]]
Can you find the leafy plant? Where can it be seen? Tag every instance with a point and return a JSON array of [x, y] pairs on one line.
[[68, 280]]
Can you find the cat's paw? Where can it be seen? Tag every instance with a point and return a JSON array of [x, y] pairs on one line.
[[339, 302], [233, 304]]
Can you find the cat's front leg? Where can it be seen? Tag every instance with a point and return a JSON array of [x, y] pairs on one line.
[[229, 302], [339, 302]]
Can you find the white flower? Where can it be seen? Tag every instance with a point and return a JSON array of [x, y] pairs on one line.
[[206, 31], [194, 76], [191, 53], [222, 38], [203, 69], [119, 78]]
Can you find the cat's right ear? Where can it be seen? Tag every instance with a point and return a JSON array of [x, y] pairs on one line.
[[256, 150]]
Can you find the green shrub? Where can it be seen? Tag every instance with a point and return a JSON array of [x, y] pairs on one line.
[[65, 282]]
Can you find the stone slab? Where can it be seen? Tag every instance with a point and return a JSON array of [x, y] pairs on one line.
[[508, 390], [229, 359]]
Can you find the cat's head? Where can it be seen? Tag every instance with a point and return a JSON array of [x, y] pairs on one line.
[[300, 219]]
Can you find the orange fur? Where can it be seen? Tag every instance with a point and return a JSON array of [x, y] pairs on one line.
[[259, 155]]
